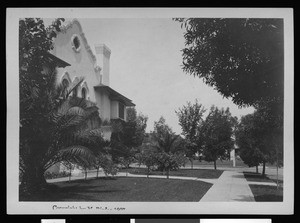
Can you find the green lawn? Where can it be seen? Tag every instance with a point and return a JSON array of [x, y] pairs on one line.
[[199, 173], [256, 177], [123, 189], [266, 193]]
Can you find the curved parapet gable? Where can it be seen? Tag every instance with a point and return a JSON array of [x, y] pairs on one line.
[[82, 35]]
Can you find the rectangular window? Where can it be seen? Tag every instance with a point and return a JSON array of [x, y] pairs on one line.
[[121, 111]]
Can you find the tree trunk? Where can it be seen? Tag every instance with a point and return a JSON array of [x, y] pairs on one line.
[[168, 173], [215, 164], [277, 181], [148, 172], [264, 169], [85, 174], [192, 163], [70, 174], [33, 179], [256, 168], [97, 172]]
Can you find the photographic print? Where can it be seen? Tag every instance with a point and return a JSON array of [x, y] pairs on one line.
[[147, 111]]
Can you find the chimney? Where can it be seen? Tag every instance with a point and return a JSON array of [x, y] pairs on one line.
[[103, 55]]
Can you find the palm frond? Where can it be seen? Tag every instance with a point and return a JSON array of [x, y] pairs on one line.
[[76, 153], [87, 136], [74, 86]]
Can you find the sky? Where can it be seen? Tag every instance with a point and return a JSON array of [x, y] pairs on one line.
[[146, 67]]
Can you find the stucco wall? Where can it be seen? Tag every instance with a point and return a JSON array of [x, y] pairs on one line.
[[82, 62], [114, 111], [103, 103]]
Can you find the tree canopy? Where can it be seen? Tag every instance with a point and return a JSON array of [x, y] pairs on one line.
[[248, 141], [217, 132], [127, 136], [241, 58], [190, 118], [260, 138]]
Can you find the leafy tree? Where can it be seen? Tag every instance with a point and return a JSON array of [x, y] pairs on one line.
[[269, 131], [248, 142], [169, 161], [54, 126], [139, 158], [127, 136], [217, 132], [240, 58], [105, 162], [147, 155], [134, 128], [260, 138], [190, 118]]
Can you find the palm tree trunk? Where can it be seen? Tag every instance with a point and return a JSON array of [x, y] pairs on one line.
[[33, 179], [215, 164], [97, 172]]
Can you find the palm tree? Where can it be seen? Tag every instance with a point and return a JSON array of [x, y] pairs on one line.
[[55, 127], [168, 145]]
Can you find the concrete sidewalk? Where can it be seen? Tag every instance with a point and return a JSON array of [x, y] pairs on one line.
[[231, 186], [92, 175]]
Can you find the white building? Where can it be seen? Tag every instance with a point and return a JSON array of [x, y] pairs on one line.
[[71, 46]]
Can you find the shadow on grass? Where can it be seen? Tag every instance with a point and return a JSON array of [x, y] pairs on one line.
[[256, 177], [266, 193]]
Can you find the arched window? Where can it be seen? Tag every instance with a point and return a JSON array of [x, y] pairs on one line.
[[65, 83], [83, 93], [75, 92], [84, 90]]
